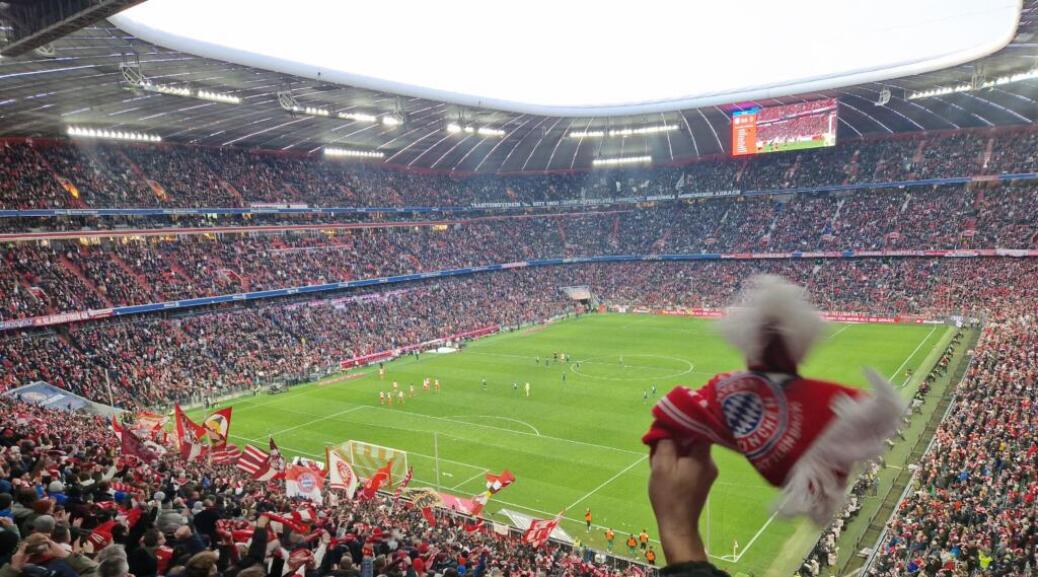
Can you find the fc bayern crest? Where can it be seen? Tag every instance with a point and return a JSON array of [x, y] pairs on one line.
[[755, 411], [307, 482]]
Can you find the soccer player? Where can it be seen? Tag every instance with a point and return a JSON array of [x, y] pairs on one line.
[[381, 372], [389, 399], [643, 539], [537, 360], [645, 396], [483, 384], [395, 386], [425, 384], [564, 378], [527, 388], [382, 398], [650, 557], [632, 545], [411, 392], [654, 390], [400, 397], [436, 385], [587, 519], [515, 386], [609, 537]]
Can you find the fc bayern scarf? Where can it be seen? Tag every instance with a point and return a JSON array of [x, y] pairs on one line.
[[800, 434]]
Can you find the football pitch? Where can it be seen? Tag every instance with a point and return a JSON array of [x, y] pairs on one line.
[[573, 443]]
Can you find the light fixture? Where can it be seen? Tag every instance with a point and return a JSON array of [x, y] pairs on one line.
[[82, 132], [455, 128], [587, 134], [390, 120], [218, 97], [311, 110], [352, 153], [187, 92], [621, 161], [165, 88], [358, 116], [623, 132], [970, 86]]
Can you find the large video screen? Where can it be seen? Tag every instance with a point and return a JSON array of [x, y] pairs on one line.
[[779, 128]]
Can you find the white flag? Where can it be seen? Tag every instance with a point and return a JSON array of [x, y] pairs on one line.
[[340, 473]]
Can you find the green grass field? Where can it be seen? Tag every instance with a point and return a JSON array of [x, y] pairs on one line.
[[572, 444]]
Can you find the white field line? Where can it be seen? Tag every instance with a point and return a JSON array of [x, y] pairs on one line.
[[476, 476], [607, 481], [772, 518], [517, 421], [514, 432], [758, 534], [833, 336], [318, 420], [916, 350]]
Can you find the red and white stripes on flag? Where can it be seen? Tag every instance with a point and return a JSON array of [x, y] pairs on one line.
[[540, 530], [256, 463], [227, 454]]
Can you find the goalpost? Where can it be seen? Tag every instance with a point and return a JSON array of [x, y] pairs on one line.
[[366, 458]]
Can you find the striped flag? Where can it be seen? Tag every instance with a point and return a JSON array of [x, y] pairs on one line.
[[225, 455], [256, 463]]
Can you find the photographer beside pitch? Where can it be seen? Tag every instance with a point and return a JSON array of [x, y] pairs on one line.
[[803, 435]]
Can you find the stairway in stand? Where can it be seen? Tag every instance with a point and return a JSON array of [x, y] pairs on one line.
[[78, 273]]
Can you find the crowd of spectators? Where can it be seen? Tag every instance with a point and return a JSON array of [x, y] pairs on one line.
[[75, 506], [69, 275], [972, 509], [106, 175], [151, 360]]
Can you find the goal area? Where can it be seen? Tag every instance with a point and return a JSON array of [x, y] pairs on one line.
[[367, 458]]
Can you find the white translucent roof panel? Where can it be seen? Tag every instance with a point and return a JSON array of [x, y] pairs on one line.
[[581, 57]]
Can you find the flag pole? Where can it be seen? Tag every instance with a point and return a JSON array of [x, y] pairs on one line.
[[436, 457]]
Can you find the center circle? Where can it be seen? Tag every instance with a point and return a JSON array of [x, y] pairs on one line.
[[635, 367]]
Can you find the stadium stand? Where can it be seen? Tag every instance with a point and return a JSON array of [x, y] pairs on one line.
[[152, 361], [104, 175]]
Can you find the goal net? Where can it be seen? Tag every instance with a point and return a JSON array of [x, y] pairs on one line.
[[366, 458]]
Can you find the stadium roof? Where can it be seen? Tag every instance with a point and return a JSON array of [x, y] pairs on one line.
[[93, 77]]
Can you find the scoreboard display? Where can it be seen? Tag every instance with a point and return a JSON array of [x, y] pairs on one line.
[[780, 128], [744, 132]]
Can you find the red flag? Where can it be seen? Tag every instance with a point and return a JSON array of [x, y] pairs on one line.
[[224, 455], [497, 482], [193, 450], [218, 427], [132, 446], [116, 426], [256, 463], [186, 428], [539, 531], [427, 512], [403, 484], [302, 481], [381, 476]]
